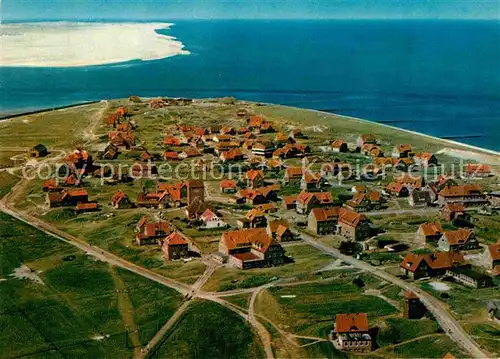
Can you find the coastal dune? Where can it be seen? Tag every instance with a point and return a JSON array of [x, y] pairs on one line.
[[67, 44]]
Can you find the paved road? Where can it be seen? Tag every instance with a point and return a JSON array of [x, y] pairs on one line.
[[412, 211], [447, 322]]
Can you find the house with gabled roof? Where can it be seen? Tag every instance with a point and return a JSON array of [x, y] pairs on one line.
[[311, 181], [402, 151], [475, 170], [420, 198], [254, 178], [363, 202], [425, 159], [404, 164], [293, 175], [306, 201], [189, 152], [211, 219], [120, 200], [410, 182], [452, 211], [397, 189], [279, 230], [290, 202], [233, 155], [254, 218], [38, 151], [323, 220], [366, 139], [339, 145], [353, 225], [67, 198], [251, 248], [255, 121], [228, 186], [468, 195], [461, 239], [429, 232], [417, 266], [352, 332], [264, 149], [174, 246], [151, 233], [492, 255]]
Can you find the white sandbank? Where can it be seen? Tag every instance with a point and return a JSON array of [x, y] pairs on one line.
[[72, 44]]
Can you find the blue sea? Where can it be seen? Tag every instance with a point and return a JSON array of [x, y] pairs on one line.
[[438, 77]]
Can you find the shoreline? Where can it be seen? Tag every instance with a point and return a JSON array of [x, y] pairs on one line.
[[465, 146]]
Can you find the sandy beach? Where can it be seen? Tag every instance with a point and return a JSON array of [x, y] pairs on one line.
[[68, 44]]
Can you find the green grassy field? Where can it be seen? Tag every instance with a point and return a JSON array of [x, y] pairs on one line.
[[310, 309], [435, 346], [7, 181], [208, 330], [61, 129], [400, 330], [75, 310]]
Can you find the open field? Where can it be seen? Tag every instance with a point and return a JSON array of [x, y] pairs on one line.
[[60, 128], [310, 309], [194, 335], [67, 304], [435, 346], [116, 234]]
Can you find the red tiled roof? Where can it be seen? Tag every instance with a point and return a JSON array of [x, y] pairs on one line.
[[228, 183], [78, 193], [253, 174], [350, 218], [174, 239], [351, 323], [431, 229], [437, 260], [306, 197], [276, 224], [395, 187], [289, 199], [403, 148], [460, 236], [337, 143], [325, 214], [88, 205], [294, 172], [454, 207], [460, 191], [256, 237], [477, 168]]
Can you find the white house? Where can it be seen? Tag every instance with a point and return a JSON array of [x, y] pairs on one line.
[[211, 220]]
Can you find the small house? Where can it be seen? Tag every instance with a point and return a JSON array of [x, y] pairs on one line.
[[174, 246], [461, 239], [38, 151], [323, 220], [352, 332]]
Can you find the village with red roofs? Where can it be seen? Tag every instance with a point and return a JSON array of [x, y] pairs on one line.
[[219, 199]]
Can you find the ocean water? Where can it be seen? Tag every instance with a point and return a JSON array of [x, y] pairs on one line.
[[437, 77]]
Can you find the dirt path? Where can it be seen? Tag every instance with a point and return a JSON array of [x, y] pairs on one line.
[[126, 309]]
